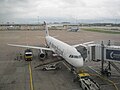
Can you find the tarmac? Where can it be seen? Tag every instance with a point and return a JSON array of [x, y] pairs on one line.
[[21, 75]]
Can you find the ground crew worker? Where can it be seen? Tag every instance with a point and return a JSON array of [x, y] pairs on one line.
[[20, 56]]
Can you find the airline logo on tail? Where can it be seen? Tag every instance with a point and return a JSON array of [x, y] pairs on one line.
[[46, 29]]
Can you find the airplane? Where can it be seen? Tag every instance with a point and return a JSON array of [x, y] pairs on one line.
[[73, 29], [68, 52]]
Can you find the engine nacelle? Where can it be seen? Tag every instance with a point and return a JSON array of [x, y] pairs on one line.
[[42, 54]]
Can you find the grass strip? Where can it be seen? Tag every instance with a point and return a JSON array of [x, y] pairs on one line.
[[100, 30]]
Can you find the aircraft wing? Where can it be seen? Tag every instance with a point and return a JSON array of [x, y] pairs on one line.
[[34, 47], [84, 44]]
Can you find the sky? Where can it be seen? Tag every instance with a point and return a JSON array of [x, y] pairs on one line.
[[34, 11]]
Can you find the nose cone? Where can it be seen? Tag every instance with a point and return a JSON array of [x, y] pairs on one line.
[[79, 62], [76, 62]]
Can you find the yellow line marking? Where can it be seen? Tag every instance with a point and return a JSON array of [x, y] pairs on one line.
[[31, 79]]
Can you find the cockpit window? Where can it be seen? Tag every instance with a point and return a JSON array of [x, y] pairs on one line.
[[75, 56]]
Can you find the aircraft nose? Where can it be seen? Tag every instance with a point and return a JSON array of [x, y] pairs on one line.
[[79, 62]]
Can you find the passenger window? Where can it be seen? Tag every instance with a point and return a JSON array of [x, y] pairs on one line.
[[71, 56]]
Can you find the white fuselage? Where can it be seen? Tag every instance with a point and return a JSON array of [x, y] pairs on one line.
[[69, 53]]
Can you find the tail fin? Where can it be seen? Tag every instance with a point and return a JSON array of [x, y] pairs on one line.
[[46, 29]]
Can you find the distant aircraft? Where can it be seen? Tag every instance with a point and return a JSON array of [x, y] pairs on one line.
[[68, 52], [73, 29]]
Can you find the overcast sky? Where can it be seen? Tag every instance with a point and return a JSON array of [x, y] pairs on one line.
[[55, 10]]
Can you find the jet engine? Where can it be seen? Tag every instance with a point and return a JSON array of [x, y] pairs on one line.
[[42, 54]]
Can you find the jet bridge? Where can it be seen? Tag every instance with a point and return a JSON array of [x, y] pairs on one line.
[[109, 53], [104, 52]]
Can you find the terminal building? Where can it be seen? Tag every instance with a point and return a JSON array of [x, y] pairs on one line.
[[21, 27], [29, 27]]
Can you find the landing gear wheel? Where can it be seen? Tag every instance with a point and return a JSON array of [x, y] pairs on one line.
[[80, 84], [108, 74], [44, 69], [72, 69]]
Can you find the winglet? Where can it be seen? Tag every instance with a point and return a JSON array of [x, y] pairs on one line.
[[46, 29]]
